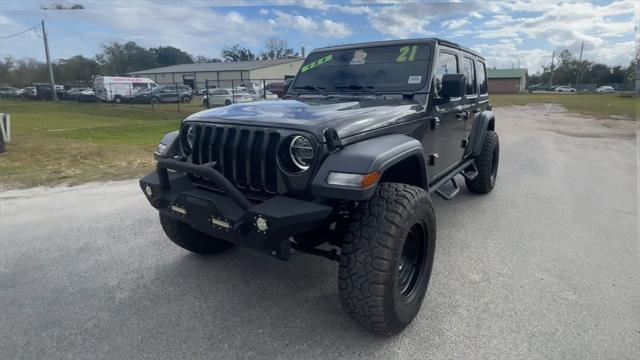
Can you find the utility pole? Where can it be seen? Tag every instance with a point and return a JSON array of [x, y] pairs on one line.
[[54, 96], [553, 55], [579, 66]]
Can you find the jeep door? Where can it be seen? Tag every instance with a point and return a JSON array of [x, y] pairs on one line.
[[446, 132], [471, 107], [481, 104]]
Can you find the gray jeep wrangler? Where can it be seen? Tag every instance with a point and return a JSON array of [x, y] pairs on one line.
[[342, 167]]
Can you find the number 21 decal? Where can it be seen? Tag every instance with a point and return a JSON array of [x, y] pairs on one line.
[[407, 53]]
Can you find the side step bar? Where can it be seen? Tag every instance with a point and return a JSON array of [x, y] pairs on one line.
[[467, 169]]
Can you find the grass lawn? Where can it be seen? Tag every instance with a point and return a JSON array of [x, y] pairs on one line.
[[599, 105], [74, 143]]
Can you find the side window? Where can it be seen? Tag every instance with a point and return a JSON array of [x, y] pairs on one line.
[[447, 64], [482, 77], [469, 71]]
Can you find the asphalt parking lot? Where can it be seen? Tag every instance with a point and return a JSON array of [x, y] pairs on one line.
[[545, 267]]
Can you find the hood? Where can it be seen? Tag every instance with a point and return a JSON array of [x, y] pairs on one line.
[[348, 116]]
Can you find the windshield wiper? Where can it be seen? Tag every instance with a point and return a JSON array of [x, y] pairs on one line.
[[311, 87], [358, 87]]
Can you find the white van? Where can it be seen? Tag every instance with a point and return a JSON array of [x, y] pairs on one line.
[[115, 88]]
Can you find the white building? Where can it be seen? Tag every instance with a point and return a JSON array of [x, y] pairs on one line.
[[222, 74]]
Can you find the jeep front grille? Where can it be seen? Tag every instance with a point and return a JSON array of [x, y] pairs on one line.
[[245, 156]]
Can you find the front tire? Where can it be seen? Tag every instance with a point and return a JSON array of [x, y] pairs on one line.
[[387, 256], [183, 235], [487, 163]]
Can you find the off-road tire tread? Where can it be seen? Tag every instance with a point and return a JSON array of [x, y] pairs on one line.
[[183, 235], [369, 251], [481, 184]]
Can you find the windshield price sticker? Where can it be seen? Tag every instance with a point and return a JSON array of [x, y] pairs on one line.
[[415, 79], [359, 57], [407, 53], [318, 62]]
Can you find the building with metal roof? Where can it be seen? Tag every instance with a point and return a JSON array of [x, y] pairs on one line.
[[507, 81], [223, 74]]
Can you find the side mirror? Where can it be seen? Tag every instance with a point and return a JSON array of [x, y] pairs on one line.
[[453, 86]]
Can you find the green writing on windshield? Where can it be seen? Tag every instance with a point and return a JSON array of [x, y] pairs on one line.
[[318, 62], [407, 53]]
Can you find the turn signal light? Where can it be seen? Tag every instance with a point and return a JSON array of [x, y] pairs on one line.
[[353, 180], [370, 179]]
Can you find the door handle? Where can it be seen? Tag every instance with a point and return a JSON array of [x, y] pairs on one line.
[[462, 115]]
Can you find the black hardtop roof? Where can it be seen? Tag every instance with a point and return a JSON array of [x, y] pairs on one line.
[[430, 41]]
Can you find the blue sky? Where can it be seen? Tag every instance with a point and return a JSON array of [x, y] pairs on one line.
[[508, 33]]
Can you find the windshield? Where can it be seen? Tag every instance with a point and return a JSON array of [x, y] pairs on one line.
[[397, 68]]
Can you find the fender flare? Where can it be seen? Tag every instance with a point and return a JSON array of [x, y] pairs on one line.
[[484, 122], [377, 154]]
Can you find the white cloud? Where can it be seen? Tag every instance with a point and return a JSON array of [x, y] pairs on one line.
[[324, 28], [507, 55], [409, 18], [454, 24], [562, 24], [264, 11]]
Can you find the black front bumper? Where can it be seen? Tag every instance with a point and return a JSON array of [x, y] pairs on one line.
[[229, 215]]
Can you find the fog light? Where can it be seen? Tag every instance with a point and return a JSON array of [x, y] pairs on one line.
[[147, 189], [353, 180], [261, 224]]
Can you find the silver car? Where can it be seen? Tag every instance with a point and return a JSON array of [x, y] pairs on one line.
[[225, 97], [605, 89]]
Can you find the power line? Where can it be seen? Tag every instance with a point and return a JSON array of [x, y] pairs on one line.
[[35, 27]]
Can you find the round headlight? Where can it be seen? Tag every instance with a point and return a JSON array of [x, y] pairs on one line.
[[191, 136], [301, 152]]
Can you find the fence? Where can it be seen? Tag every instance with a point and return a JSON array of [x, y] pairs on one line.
[[183, 97]]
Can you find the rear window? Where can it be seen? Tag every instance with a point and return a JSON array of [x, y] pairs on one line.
[[482, 77], [469, 72]]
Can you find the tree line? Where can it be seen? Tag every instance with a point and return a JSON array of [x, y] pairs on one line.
[[570, 70], [120, 58]]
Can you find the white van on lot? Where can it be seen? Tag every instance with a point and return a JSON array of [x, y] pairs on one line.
[[115, 88]]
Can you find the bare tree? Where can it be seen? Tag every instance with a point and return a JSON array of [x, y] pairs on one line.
[[275, 48]]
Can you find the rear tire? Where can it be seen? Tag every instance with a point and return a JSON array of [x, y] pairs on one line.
[[154, 101], [487, 163], [227, 102], [183, 235], [387, 256]]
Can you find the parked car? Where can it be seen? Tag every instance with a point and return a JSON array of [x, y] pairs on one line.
[[72, 94], [116, 88], [29, 92], [259, 95], [9, 91], [564, 89], [162, 94], [344, 169], [226, 96], [279, 88], [43, 91], [605, 89], [539, 87], [87, 95]]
